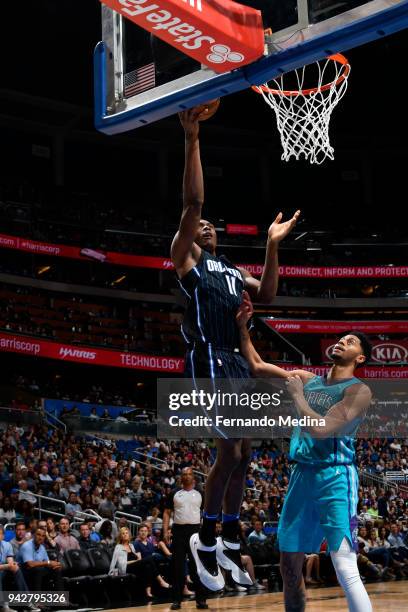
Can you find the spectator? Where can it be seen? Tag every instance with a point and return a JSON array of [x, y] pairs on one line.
[[21, 536], [9, 565], [64, 540], [51, 533], [398, 547], [4, 475], [44, 475], [142, 544], [257, 535], [55, 491], [155, 519], [367, 568], [105, 518], [96, 496], [85, 541], [73, 506], [136, 491], [38, 570], [25, 493], [312, 562], [364, 515], [7, 511], [126, 559], [125, 502], [93, 414], [95, 537], [376, 554], [382, 504], [107, 508], [105, 533], [373, 511]]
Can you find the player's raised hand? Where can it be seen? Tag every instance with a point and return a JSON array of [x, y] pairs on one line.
[[189, 120], [279, 230], [245, 311]]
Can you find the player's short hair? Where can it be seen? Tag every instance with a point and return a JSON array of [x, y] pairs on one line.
[[365, 345]]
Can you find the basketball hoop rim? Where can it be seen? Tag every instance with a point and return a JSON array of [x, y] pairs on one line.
[[338, 57]]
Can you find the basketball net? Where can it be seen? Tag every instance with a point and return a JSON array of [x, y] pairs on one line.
[[303, 114]]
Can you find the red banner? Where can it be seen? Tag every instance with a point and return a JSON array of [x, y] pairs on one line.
[[27, 345], [306, 326], [363, 372], [35, 347], [249, 230], [70, 252], [223, 36], [386, 352], [163, 263], [333, 272]]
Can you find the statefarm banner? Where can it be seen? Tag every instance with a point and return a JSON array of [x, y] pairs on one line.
[[306, 326], [163, 263], [223, 36], [386, 352], [27, 345]]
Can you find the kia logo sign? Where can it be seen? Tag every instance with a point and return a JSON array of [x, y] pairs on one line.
[[385, 352], [388, 352]]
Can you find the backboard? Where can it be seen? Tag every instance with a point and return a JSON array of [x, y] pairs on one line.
[[140, 79]]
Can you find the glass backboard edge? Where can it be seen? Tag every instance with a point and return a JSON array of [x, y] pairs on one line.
[[338, 34]]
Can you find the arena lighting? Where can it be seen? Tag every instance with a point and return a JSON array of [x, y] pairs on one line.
[[119, 280], [302, 235]]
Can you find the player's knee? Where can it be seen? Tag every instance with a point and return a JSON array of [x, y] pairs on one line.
[[291, 565], [345, 564], [229, 459]]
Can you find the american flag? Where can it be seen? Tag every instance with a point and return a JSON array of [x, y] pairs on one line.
[[139, 80]]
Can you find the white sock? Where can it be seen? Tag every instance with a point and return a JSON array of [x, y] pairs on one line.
[[345, 564]]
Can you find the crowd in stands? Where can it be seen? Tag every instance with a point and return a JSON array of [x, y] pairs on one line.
[[79, 474], [77, 320], [92, 393]]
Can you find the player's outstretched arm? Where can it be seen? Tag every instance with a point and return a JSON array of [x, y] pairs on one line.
[[183, 247], [258, 366], [264, 291], [352, 407]]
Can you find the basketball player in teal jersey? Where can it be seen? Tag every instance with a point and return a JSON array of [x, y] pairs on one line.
[[213, 287], [321, 501]]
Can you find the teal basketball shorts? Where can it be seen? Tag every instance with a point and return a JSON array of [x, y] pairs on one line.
[[321, 503]]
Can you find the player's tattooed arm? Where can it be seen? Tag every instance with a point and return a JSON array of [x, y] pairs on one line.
[[258, 366], [183, 247], [338, 419], [264, 290]]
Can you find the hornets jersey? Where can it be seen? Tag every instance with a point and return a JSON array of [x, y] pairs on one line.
[[321, 395]]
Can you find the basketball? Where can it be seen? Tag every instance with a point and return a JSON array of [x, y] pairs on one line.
[[208, 109]]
